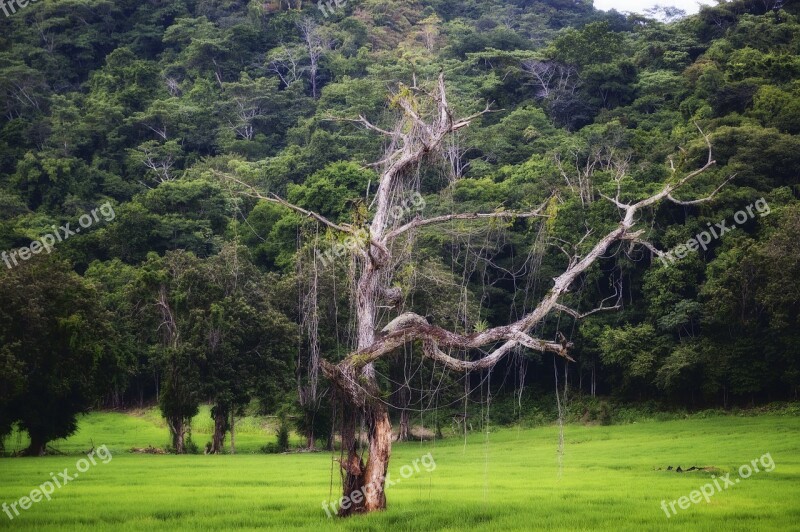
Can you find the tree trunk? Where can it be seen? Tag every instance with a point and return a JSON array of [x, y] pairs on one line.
[[178, 429], [178, 443], [308, 416], [37, 446], [218, 439], [364, 480], [360, 392], [380, 450], [352, 465], [233, 434], [403, 434], [402, 394]]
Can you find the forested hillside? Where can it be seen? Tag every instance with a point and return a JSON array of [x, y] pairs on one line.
[[138, 266]]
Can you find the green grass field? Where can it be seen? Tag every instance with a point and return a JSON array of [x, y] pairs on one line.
[[142, 428], [608, 480]]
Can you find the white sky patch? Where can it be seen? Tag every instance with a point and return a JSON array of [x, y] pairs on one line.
[[639, 6]]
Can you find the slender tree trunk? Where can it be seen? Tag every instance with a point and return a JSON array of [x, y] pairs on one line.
[[331, 443], [310, 439], [233, 433], [404, 434], [178, 428], [402, 397], [314, 81], [178, 443]]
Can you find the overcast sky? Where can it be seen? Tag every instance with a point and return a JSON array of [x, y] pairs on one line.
[[638, 6]]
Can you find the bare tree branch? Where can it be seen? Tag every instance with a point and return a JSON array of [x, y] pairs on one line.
[[701, 200], [364, 122], [421, 222], [635, 238], [602, 308], [250, 190], [669, 188]]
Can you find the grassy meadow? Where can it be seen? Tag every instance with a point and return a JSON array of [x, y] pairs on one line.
[[609, 479]]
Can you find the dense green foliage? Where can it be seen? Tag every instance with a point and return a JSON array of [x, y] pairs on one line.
[[191, 294]]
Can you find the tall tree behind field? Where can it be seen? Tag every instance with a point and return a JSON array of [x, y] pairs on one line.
[[54, 334]]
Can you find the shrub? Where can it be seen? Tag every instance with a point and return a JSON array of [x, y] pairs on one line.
[[283, 436]]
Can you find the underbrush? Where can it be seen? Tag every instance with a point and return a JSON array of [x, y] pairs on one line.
[[543, 410]]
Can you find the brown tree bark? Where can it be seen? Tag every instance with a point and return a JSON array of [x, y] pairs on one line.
[[403, 433], [365, 480], [311, 441], [178, 429], [350, 461], [220, 428], [178, 442], [380, 450]]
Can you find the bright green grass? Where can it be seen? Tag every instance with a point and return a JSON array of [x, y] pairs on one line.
[[607, 482]]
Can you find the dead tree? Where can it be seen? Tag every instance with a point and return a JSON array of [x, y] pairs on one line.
[[425, 123], [317, 44], [285, 62], [552, 80], [581, 179]]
